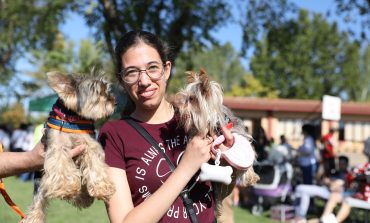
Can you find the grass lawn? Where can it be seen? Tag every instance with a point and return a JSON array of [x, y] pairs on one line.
[[62, 212], [244, 216]]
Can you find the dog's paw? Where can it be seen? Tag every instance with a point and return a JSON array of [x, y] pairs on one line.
[[102, 190], [34, 217], [83, 200], [69, 191]]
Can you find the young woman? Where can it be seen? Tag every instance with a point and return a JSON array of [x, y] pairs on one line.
[[146, 189]]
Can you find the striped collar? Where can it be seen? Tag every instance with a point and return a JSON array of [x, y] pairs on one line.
[[65, 120]]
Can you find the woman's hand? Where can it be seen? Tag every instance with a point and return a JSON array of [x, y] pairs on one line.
[[197, 151], [229, 139], [38, 152]]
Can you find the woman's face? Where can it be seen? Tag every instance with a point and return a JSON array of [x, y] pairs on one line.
[[146, 93]]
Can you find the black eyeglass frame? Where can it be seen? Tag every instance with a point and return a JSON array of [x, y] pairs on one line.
[[123, 74]]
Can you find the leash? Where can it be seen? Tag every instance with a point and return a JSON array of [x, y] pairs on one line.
[[7, 197]]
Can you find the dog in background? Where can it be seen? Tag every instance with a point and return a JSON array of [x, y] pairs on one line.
[[83, 99], [202, 113]]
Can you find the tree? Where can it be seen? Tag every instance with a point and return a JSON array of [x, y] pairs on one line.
[[349, 65], [27, 25], [257, 16], [222, 63], [62, 57], [364, 84], [14, 115], [251, 87], [177, 22], [307, 58], [92, 56], [58, 57], [349, 8]]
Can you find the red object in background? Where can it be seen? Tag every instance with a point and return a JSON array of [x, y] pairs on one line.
[[229, 125], [328, 146]]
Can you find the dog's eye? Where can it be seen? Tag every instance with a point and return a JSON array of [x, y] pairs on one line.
[[103, 87], [190, 99]]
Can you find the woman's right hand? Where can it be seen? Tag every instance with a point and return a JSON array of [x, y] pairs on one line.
[[198, 151]]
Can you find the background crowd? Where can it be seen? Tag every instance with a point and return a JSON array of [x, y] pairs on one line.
[[300, 176]]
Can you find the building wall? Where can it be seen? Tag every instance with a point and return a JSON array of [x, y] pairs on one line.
[[286, 116], [353, 133]]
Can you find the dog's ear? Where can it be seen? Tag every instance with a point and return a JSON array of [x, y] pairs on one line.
[[191, 76], [203, 76], [204, 81], [62, 84]]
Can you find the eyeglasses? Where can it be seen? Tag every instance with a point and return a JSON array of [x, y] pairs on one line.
[[154, 71]]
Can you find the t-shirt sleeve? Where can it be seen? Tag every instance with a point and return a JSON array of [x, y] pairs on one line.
[[112, 145]]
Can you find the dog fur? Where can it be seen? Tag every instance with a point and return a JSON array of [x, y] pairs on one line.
[[202, 113], [83, 178]]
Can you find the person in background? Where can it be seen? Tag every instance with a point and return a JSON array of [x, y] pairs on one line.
[[290, 151], [260, 143], [27, 145], [18, 138], [356, 193], [4, 137], [306, 157], [327, 153], [334, 183]]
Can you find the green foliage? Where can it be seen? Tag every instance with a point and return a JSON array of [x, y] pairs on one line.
[[222, 64], [310, 56], [251, 87], [14, 115], [364, 85], [59, 57], [62, 57], [349, 65], [24, 26], [177, 22], [348, 8], [307, 58], [92, 56], [257, 16]]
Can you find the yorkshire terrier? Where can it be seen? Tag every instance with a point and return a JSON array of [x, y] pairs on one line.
[[82, 100], [202, 113]]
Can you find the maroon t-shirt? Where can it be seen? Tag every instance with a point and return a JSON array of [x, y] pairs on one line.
[[146, 169]]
